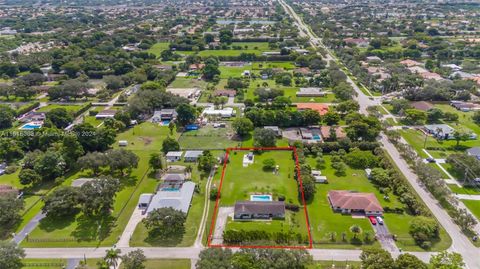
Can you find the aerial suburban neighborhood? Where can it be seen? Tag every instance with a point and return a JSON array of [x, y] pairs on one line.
[[285, 134]]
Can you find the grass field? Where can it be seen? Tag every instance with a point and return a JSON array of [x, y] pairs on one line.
[[158, 48], [78, 231], [180, 82], [474, 206], [238, 184], [70, 108], [247, 47], [208, 137]]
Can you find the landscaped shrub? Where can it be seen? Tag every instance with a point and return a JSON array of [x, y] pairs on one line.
[[245, 237], [292, 207]]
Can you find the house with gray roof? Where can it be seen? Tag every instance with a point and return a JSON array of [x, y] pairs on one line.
[[174, 156], [440, 131], [475, 152], [247, 210], [177, 199], [192, 155]]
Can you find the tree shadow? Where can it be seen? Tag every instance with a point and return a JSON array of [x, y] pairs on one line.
[[93, 228], [51, 224], [171, 240]]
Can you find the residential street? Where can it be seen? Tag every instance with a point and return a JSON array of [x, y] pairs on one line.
[[460, 243]]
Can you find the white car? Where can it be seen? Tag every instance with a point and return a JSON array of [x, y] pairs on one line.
[[380, 220]]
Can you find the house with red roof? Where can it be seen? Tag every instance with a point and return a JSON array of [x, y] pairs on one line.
[[322, 109], [349, 202]]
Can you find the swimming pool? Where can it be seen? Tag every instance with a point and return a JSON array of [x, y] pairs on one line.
[[316, 137], [170, 189], [30, 126], [261, 198]]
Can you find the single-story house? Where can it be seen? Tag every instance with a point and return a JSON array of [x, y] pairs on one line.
[[192, 155], [348, 202], [226, 112], [174, 156], [270, 53], [177, 199], [106, 114], [33, 116], [464, 106], [322, 109], [441, 131], [410, 63], [277, 130], [245, 210], [164, 114], [194, 67], [475, 152], [310, 92], [81, 181], [326, 132], [360, 42]]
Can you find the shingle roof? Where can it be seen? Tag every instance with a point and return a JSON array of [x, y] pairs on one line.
[[354, 200], [260, 207]]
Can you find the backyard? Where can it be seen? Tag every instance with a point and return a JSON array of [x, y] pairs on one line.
[[240, 182], [104, 231]]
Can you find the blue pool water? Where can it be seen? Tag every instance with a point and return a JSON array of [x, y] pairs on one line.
[[30, 127], [169, 189], [316, 137], [261, 198]]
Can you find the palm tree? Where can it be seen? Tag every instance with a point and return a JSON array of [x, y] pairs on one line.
[[112, 257], [356, 230]]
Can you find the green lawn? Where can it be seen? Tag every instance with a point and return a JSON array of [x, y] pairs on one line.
[[70, 108], [236, 72], [158, 48], [464, 190], [80, 231], [180, 82], [166, 263], [208, 137], [247, 47], [265, 65], [239, 182], [474, 206]]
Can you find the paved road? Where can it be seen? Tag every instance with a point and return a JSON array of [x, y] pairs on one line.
[[460, 242], [31, 225]]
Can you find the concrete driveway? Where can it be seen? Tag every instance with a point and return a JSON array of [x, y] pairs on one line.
[[220, 223]]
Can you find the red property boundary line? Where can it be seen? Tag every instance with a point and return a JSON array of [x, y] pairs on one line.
[[297, 166]]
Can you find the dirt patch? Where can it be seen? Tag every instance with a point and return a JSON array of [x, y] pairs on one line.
[[146, 140]]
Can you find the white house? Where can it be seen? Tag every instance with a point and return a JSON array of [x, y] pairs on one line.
[[174, 156]]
